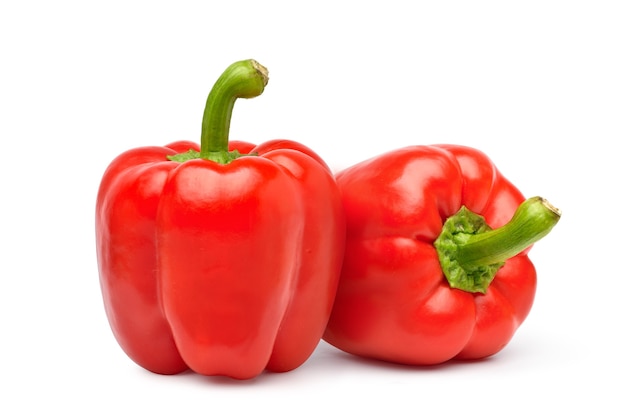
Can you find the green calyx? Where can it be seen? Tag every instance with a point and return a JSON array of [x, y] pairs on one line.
[[221, 157], [243, 79], [456, 231], [471, 253]]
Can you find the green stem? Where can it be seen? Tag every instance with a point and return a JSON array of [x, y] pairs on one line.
[[243, 79], [471, 253]]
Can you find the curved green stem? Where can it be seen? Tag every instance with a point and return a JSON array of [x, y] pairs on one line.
[[243, 79], [471, 253]]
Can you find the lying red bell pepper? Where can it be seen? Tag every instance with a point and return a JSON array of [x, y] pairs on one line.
[[436, 264], [224, 260]]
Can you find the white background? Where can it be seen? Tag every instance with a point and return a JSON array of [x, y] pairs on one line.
[[538, 85]]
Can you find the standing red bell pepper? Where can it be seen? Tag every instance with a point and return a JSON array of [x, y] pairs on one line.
[[225, 261], [425, 278]]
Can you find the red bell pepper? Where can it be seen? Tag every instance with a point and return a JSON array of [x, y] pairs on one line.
[[436, 262], [222, 259]]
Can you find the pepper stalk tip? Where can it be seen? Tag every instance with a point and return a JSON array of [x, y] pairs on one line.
[[263, 71]]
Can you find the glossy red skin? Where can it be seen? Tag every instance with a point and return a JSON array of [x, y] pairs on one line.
[[393, 302], [223, 269]]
